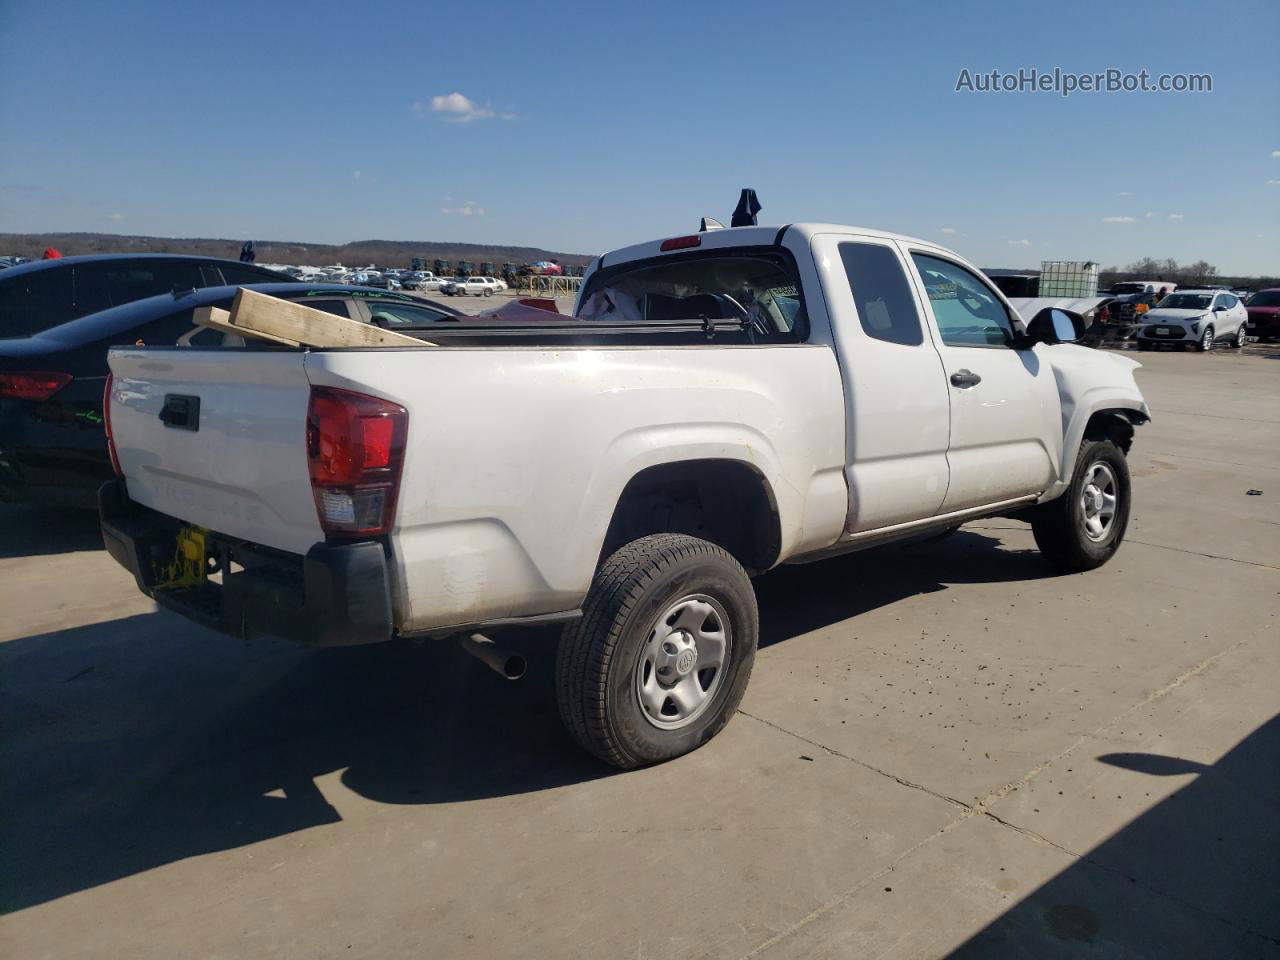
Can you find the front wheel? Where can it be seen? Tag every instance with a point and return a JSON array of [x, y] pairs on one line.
[[1083, 528], [660, 659], [1206, 340]]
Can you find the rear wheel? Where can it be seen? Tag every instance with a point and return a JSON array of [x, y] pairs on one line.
[[661, 657], [1206, 340], [1241, 338], [1084, 527]]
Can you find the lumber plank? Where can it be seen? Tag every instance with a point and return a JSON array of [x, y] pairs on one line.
[[219, 319], [283, 319]]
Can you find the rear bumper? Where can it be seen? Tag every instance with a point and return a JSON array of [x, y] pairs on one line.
[[335, 595], [1267, 325]]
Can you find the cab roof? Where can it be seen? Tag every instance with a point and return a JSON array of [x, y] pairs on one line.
[[750, 237]]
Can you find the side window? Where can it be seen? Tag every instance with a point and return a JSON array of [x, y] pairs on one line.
[[35, 301], [237, 274], [384, 314], [1228, 301], [337, 307], [91, 288], [162, 332], [202, 337], [967, 312], [885, 305], [125, 281]]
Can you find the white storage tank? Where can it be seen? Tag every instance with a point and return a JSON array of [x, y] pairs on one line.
[[1068, 278]]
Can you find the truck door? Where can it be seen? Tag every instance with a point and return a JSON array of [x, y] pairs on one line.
[[1005, 412], [897, 409]]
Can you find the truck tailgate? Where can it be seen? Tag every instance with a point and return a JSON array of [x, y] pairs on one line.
[[232, 456]]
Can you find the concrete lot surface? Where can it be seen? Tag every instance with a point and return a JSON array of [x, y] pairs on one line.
[[946, 749]]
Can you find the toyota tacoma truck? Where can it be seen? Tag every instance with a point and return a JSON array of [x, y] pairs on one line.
[[717, 405]]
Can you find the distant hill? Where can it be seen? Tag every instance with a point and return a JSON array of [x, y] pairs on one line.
[[387, 253]]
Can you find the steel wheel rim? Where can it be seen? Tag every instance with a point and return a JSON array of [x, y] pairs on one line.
[[1099, 499], [683, 661], [1207, 340]]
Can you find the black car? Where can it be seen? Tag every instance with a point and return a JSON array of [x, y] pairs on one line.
[[53, 450], [41, 294]]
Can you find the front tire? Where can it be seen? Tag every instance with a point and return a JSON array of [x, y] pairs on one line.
[[1206, 340], [1083, 528], [662, 655]]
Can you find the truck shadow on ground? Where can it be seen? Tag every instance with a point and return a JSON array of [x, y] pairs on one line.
[[797, 599], [34, 531], [1197, 875], [146, 740]]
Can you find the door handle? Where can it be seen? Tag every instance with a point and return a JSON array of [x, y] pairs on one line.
[[965, 379], [180, 411]]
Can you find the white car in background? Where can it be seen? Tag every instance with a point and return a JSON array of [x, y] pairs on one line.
[[470, 286], [1198, 318]]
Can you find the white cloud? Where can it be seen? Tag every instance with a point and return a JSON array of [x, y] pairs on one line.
[[1176, 216], [1124, 193], [468, 209], [460, 109], [947, 230], [1275, 153], [1019, 243], [1273, 183], [355, 174], [115, 216], [1149, 214], [1117, 219]]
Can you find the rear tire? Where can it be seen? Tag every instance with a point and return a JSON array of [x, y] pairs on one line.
[[1076, 532], [661, 608], [1241, 338]]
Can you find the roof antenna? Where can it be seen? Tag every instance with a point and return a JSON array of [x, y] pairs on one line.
[[744, 215], [710, 223]]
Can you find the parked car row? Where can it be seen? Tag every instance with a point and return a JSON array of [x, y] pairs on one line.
[[396, 279]]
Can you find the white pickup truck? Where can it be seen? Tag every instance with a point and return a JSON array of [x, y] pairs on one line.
[[719, 404]]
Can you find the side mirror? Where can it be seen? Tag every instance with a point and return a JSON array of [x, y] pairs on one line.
[[1055, 325], [1219, 308]]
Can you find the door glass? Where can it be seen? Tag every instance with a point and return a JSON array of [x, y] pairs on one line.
[[386, 314], [880, 291], [36, 300], [967, 312], [235, 274], [337, 307]]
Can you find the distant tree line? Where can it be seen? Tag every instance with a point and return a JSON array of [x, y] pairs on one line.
[[1184, 274]]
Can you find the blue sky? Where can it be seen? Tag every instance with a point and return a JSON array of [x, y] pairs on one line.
[[588, 126]]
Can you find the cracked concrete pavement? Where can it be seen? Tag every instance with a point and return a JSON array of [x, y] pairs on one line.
[[946, 749]]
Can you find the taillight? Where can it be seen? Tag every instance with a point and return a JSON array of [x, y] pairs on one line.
[[106, 423], [355, 449], [32, 384], [681, 243]]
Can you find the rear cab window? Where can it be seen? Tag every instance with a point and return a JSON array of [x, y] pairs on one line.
[[758, 287]]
